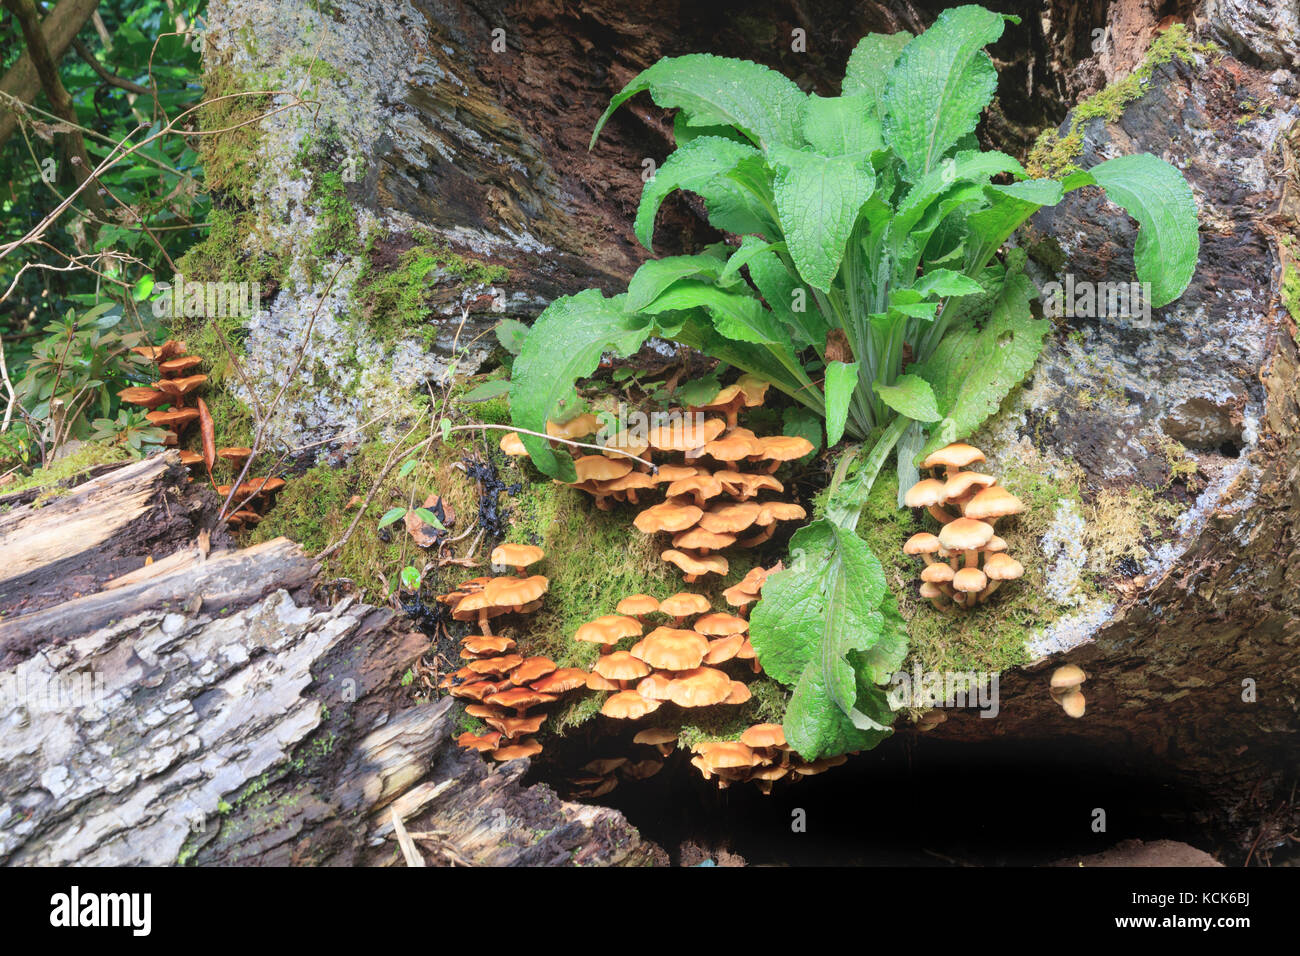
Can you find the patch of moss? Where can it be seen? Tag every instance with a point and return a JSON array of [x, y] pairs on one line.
[[337, 231], [228, 153], [1123, 524], [67, 468], [396, 301], [313, 510], [1291, 291], [1054, 155], [1181, 467]]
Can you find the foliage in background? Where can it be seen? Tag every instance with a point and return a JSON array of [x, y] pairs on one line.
[[867, 287], [101, 268]]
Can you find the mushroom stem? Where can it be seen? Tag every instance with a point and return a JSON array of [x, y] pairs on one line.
[[939, 514], [972, 558], [984, 595], [757, 539], [484, 623], [771, 468]]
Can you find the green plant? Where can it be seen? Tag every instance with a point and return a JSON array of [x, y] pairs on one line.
[[132, 430], [867, 287], [74, 372]]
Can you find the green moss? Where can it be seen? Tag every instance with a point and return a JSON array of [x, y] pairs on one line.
[[229, 154], [64, 470], [396, 301], [1124, 524], [337, 232], [313, 510], [1291, 291], [1054, 155]]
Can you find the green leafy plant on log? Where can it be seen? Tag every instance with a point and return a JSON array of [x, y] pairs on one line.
[[868, 286]]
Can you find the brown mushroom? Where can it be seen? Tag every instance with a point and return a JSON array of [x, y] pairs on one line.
[[670, 649], [694, 568], [517, 556], [669, 516], [628, 705], [608, 630]]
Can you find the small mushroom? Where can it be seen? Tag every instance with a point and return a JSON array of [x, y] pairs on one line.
[[608, 630], [517, 556], [694, 568], [930, 494], [628, 705]]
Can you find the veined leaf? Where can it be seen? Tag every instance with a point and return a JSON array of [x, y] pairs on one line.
[[842, 125], [841, 381], [735, 315], [750, 246], [565, 344], [1010, 207], [870, 64], [780, 288], [943, 80], [485, 392], [656, 275], [1159, 198], [910, 395], [973, 369], [825, 606], [945, 283], [698, 167], [818, 199], [720, 91]]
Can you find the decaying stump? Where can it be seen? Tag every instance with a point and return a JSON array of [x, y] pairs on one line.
[[193, 709]]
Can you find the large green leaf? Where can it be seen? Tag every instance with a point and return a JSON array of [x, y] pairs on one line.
[[912, 396], [870, 64], [1159, 198], [565, 344], [699, 167], [974, 368], [818, 198], [940, 85], [735, 314], [826, 606], [842, 125], [656, 275], [721, 91], [841, 382]]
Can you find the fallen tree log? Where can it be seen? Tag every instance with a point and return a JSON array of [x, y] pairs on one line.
[[191, 709]]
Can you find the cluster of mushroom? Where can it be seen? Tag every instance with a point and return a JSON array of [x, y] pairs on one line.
[[711, 471], [175, 389], [761, 756], [599, 777], [502, 684], [967, 560], [1067, 689], [481, 599], [677, 663]]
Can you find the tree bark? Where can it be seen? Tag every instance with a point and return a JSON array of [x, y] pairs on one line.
[[193, 710]]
